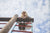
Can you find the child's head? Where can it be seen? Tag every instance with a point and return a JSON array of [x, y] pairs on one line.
[[24, 13]]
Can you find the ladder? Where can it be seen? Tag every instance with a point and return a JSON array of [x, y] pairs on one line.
[[14, 19], [23, 26]]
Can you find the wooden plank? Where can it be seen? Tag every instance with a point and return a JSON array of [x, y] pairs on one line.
[[4, 19], [19, 19], [8, 26], [2, 23]]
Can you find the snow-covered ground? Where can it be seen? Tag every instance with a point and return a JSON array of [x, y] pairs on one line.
[[38, 9]]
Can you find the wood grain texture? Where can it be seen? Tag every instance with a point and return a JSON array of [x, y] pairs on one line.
[[8, 26]]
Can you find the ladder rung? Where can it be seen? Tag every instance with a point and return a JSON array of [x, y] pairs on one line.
[[23, 26], [26, 22], [21, 31]]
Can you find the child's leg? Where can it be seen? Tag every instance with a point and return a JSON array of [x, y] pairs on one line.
[[20, 26], [24, 27]]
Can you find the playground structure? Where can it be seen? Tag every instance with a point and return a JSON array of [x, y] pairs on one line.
[[17, 19]]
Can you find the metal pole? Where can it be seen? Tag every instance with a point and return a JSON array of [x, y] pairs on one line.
[[9, 24]]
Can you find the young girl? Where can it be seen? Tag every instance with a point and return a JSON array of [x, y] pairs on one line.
[[23, 15]]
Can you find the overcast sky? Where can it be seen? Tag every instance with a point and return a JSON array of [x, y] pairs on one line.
[[38, 9]]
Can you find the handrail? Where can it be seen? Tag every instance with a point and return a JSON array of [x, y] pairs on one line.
[[18, 19], [3, 23]]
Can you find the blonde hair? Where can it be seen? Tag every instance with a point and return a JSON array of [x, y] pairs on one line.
[[25, 14]]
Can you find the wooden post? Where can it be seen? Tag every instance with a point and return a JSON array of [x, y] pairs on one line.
[[9, 24]]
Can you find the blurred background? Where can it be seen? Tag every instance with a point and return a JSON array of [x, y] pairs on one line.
[[37, 9]]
